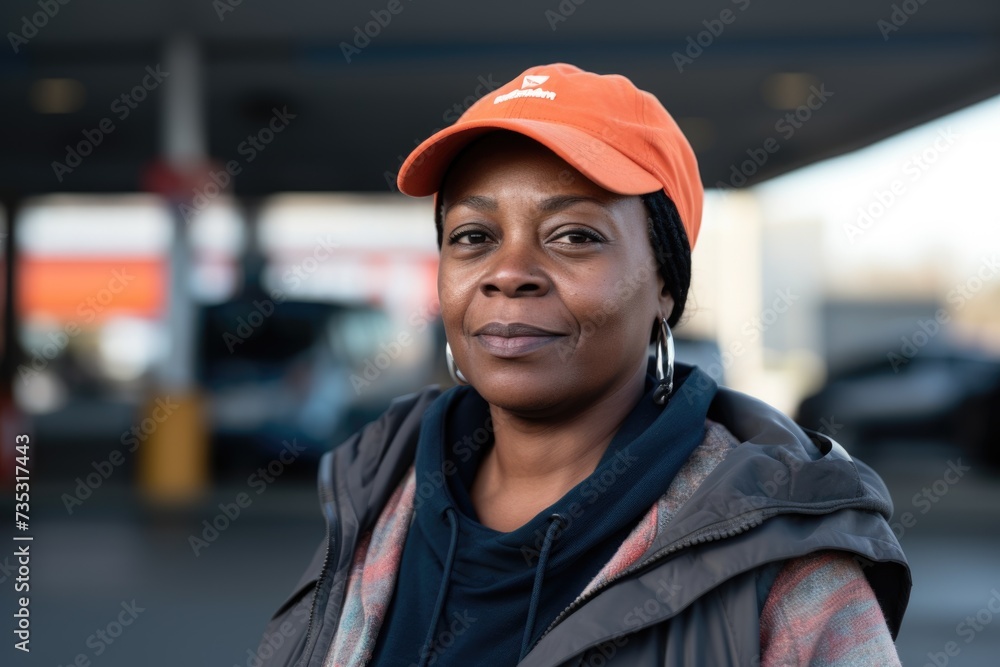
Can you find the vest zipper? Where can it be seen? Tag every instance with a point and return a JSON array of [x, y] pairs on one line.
[[307, 652], [326, 499]]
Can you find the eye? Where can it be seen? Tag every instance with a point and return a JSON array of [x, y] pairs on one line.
[[468, 237], [579, 237]]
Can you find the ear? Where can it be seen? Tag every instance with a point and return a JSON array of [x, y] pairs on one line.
[[666, 300]]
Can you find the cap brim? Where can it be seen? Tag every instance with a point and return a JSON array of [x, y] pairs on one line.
[[422, 171]]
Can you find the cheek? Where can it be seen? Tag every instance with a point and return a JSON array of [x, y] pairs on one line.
[[640, 284], [454, 294], [625, 303]]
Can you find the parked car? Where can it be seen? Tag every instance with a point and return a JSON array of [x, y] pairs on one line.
[[944, 392]]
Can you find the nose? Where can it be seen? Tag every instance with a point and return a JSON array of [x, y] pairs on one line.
[[515, 271]]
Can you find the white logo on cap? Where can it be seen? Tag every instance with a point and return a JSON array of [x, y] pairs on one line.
[[532, 83]]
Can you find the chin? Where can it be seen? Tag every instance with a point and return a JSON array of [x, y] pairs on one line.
[[521, 392], [540, 392]]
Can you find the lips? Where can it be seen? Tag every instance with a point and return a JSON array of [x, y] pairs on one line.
[[513, 330], [514, 339]]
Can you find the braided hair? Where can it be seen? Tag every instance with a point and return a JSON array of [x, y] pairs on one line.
[[670, 248]]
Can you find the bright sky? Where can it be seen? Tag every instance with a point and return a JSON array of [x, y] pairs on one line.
[[945, 210]]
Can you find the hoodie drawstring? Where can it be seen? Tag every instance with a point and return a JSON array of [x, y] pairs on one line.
[[425, 652], [536, 590]]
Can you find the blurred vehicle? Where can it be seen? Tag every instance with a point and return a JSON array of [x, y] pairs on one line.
[[942, 393], [293, 371]]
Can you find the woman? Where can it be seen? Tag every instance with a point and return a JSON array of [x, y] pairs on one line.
[[573, 501]]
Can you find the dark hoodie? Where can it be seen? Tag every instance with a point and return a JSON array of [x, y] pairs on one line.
[[520, 580], [781, 494]]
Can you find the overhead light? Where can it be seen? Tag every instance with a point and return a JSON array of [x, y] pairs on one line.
[[787, 90], [56, 95]]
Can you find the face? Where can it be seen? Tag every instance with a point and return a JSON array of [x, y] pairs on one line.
[[547, 282]]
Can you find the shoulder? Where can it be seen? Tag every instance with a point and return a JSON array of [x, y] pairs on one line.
[[401, 419], [368, 466], [822, 610], [401, 411], [780, 462]]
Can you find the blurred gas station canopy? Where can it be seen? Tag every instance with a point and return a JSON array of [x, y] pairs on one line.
[[365, 81]]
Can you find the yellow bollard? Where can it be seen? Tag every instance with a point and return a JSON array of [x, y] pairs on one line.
[[173, 464]]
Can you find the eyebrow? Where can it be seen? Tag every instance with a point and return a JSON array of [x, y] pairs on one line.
[[548, 205], [476, 202], [560, 202]]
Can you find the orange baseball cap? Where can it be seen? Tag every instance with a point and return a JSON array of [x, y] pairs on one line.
[[616, 135]]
